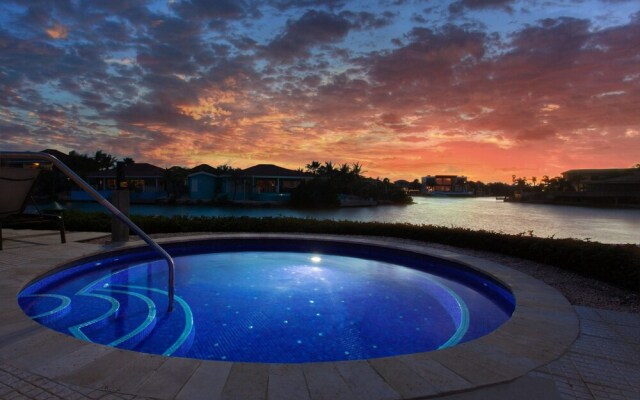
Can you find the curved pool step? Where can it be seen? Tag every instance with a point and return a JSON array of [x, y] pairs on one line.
[[144, 329], [46, 315], [118, 315], [165, 339]]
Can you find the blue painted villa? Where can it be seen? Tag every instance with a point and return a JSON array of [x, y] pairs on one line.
[[264, 183], [205, 184]]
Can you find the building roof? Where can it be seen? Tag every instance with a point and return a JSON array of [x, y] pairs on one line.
[[599, 171], [273, 170], [203, 168], [135, 170]]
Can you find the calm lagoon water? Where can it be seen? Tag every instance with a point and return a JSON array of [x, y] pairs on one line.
[[596, 224]]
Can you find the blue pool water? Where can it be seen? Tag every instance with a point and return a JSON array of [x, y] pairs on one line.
[[271, 301]]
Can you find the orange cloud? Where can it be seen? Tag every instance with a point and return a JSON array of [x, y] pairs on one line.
[[57, 31]]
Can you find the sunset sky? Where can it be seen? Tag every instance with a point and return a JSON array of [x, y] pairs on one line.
[[407, 88]]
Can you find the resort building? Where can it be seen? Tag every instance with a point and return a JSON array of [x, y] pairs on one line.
[[265, 183], [445, 185], [603, 186], [268, 182], [145, 182], [205, 184]]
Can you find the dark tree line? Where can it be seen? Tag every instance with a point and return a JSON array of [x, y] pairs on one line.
[[331, 181], [51, 181]]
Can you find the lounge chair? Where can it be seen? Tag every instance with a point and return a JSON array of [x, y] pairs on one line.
[[15, 190]]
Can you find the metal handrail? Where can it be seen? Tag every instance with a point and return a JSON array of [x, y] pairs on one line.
[[98, 197]]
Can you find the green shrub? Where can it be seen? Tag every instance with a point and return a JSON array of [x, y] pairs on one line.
[[618, 264]]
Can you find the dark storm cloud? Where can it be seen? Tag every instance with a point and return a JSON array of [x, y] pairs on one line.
[[397, 3], [165, 59], [10, 130], [24, 57], [173, 45], [312, 29], [366, 20], [116, 32], [552, 38], [312, 80], [182, 34], [460, 6], [118, 6], [218, 9], [239, 68], [288, 4], [168, 89], [429, 57], [40, 12], [419, 19], [83, 60], [244, 43]]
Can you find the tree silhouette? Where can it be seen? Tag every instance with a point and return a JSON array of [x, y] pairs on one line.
[[327, 169], [313, 167], [105, 161], [331, 181], [174, 180]]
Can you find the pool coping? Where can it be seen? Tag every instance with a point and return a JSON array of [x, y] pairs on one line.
[[542, 328]]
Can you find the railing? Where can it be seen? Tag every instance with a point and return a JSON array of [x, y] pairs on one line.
[[112, 209]]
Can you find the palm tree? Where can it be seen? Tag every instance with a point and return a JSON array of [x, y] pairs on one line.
[[345, 169], [327, 169], [356, 169], [175, 179], [313, 167], [545, 180], [105, 161]]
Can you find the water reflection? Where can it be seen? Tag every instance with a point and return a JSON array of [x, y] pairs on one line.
[[596, 224]]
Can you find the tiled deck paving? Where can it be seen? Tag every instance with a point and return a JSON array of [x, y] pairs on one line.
[[602, 363]]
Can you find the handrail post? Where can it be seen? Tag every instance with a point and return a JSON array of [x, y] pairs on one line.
[[104, 202]]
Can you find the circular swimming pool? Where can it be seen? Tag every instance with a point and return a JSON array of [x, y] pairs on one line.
[[271, 300]]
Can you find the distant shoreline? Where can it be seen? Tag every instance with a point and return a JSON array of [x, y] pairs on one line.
[[586, 204]]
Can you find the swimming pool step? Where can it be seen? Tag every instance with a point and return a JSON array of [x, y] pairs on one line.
[[123, 316]]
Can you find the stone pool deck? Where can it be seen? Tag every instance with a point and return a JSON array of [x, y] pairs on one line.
[[549, 350]]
